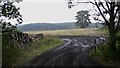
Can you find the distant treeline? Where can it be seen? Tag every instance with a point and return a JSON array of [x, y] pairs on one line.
[[53, 26]]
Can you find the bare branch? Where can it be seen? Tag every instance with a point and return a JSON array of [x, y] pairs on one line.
[[104, 7], [85, 2], [107, 5], [116, 11], [91, 2], [101, 13], [118, 24]]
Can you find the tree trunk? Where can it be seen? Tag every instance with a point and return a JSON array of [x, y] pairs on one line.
[[112, 43], [112, 29]]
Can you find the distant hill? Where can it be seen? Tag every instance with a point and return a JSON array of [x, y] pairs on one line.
[[47, 26], [53, 26]]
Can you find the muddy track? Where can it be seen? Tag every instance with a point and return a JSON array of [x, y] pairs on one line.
[[74, 52]]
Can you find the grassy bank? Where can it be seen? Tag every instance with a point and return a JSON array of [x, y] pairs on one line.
[[105, 56], [13, 56]]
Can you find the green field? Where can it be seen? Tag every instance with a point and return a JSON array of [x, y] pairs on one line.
[[76, 32]]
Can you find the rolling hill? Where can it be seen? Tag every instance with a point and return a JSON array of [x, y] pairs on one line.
[[53, 26], [47, 26]]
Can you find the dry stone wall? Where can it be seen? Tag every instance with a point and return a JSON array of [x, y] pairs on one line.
[[23, 39]]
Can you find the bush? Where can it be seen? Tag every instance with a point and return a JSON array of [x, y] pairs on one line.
[[104, 54], [9, 52]]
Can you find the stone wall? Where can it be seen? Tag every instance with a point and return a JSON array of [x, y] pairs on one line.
[[36, 37], [23, 39]]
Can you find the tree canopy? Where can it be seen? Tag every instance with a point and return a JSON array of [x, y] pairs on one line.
[[9, 11], [82, 18]]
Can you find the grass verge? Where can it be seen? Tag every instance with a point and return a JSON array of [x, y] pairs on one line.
[[106, 56], [13, 56]]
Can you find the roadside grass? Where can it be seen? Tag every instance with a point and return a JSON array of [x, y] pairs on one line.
[[73, 32], [38, 47], [106, 56], [14, 56]]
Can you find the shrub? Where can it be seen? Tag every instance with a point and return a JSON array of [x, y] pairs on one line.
[[9, 52], [105, 54]]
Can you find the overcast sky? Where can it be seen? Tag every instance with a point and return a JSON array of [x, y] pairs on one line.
[[50, 11]]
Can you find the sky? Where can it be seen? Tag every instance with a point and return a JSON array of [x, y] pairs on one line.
[[49, 11]]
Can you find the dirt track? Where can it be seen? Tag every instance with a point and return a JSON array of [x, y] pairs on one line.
[[74, 52]]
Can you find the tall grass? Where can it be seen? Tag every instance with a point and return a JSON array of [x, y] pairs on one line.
[[104, 54]]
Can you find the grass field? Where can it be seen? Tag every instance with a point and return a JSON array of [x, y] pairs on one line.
[[76, 32]]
